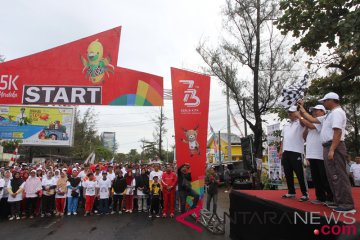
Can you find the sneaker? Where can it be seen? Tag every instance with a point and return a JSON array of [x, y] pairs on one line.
[[171, 215], [31, 217], [86, 214], [145, 210], [139, 211], [150, 216], [304, 198], [164, 215], [48, 214], [17, 217], [344, 210], [96, 211], [42, 215], [130, 211], [120, 212], [69, 213], [157, 215], [74, 213], [11, 218], [317, 202], [226, 191], [288, 196]]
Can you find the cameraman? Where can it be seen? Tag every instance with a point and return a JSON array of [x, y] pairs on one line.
[[184, 185]]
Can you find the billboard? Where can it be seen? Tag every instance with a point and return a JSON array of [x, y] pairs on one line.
[[108, 140], [39, 126], [83, 72]]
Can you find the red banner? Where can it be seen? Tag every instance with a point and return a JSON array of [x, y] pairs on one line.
[[191, 108], [83, 72]]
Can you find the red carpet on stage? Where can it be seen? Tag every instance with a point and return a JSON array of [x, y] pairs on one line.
[[275, 196]]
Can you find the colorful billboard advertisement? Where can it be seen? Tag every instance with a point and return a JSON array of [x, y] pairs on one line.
[[83, 72], [39, 126], [191, 108]]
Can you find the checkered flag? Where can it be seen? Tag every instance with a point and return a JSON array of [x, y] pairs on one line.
[[292, 94]]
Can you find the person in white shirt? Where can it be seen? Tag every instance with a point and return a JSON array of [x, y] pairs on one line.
[[104, 185], [314, 155], [332, 137], [15, 189], [292, 150], [156, 172], [355, 171], [48, 198], [33, 191], [91, 191]]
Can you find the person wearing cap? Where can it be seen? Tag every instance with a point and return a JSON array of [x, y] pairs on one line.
[[314, 154], [33, 190], [91, 191], [291, 152], [104, 185], [73, 192], [332, 136]]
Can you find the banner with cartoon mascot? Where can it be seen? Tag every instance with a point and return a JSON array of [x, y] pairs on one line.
[[42, 126], [191, 108], [83, 72]]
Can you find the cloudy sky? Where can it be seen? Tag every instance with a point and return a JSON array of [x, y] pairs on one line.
[[156, 35]]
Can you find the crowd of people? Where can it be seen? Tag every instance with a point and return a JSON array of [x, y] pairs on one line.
[[323, 131], [51, 189]]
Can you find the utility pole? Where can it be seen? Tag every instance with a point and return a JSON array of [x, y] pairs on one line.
[[219, 148], [229, 158]]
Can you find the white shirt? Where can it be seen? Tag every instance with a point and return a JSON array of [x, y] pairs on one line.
[[111, 176], [18, 196], [2, 185], [130, 188], [292, 134], [104, 186], [123, 171], [82, 175], [153, 173], [314, 148], [355, 170], [48, 183], [336, 118], [90, 187]]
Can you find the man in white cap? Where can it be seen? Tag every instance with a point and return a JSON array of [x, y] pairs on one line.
[[332, 137], [292, 150], [314, 155]]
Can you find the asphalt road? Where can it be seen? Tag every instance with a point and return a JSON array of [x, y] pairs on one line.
[[126, 226]]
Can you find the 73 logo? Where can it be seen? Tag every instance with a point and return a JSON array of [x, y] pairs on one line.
[[190, 97]]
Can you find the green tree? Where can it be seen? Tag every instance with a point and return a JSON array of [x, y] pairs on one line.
[[251, 43], [133, 156], [325, 23]]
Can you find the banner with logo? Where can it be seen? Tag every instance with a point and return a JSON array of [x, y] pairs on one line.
[[83, 72], [274, 162], [191, 107], [39, 126]]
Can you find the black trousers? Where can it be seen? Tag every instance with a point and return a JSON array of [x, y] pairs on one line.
[[48, 204], [320, 180], [4, 208], [15, 208], [292, 162], [117, 199], [31, 206], [155, 205]]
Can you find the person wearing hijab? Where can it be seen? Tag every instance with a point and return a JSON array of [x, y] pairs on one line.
[[119, 186], [73, 193], [33, 191], [48, 198], [4, 204], [130, 185], [60, 196], [15, 188]]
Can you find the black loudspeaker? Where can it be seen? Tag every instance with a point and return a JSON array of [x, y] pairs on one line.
[[247, 145]]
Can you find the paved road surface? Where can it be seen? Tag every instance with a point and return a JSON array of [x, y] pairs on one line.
[[126, 226]]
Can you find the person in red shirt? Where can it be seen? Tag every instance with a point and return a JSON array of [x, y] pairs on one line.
[[168, 183]]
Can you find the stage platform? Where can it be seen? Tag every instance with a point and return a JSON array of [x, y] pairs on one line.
[[263, 214]]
